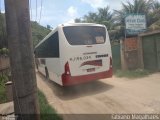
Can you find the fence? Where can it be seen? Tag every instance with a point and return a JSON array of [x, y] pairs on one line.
[[149, 50], [116, 56]]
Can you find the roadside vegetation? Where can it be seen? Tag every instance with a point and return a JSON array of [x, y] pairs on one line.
[[4, 51], [138, 73], [3, 80], [46, 111], [38, 32]]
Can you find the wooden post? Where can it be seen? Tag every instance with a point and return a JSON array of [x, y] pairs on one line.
[[21, 59]]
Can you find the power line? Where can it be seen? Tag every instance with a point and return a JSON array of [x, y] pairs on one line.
[[41, 11], [1, 42], [30, 7], [0, 6], [36, 11]]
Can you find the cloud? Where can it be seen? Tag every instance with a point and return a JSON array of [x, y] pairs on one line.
[[72, 11], [58, 17], [71, 15], [96, 3], [54, 16], [70, 21]]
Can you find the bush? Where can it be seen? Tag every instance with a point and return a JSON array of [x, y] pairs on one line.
[[4, 51], [3, 80]]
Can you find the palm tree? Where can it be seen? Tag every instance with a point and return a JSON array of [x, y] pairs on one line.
[[155, 15], [137, 7], [90, 18], [105, 17], [115, 22], [102, 16], [146, 7]]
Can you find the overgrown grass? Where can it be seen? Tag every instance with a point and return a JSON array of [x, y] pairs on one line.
[[132, 74], [46, 111], [3, 96]]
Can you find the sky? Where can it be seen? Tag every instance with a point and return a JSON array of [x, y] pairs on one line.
[[56, 12]]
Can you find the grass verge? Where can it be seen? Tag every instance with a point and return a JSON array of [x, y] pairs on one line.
[[3, 96], [46, 111], [138, 73]]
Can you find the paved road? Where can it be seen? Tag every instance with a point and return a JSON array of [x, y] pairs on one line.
[[114, 95]]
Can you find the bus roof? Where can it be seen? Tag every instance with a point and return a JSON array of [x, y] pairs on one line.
[[79, 24]]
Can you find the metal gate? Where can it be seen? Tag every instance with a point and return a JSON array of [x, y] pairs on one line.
[[151, 52], [116, 56]]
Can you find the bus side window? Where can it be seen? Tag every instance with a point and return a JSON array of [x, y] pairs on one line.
[[53, 45], [49, 48]]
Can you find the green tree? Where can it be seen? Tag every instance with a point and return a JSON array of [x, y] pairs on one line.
[[155, 15], [3, 37], [150, 8], [102, 16], [38, 32], [78, 20], [137, 7], [91, 18]]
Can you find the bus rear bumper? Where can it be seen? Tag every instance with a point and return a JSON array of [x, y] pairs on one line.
[[68, 80]]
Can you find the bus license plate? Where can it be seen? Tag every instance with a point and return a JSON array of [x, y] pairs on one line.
[[91, 70]]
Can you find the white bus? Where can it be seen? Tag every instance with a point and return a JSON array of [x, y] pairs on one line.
[[75, 53]]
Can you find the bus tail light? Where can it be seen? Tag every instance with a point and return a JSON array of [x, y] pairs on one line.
[[67, 70]]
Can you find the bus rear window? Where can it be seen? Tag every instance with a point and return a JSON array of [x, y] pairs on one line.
[[85, 35]]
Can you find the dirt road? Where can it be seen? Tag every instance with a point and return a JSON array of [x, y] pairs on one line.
[[114, 95]]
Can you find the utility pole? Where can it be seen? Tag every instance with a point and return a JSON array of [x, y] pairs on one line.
[[21, 59]]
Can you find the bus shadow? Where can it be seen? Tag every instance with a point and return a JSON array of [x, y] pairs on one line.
[[82, 90], [77, 91]]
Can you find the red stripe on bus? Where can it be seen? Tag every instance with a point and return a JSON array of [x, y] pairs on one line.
[[67, 79], [93, 62]]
